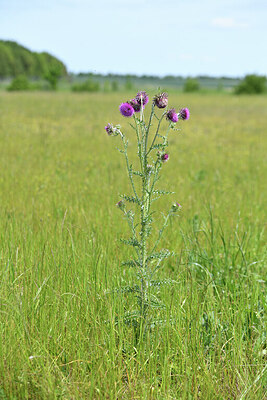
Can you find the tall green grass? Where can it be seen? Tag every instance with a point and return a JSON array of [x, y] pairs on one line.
[[62, 334]]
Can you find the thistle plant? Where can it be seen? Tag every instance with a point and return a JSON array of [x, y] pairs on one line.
[[137, 206]]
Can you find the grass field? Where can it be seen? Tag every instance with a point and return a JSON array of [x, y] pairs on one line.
[[62, 334]]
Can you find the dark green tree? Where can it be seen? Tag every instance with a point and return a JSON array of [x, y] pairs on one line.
[[19, 83], [18, 60], [251, 84], [88, 86], [52, 76], [191, 85], [7, 61]]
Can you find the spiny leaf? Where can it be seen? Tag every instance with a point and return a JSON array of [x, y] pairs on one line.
[[158, 146], [130, 263], [162, 282], [131, 242], [120, 151], [131, 318], [130, 199], [162, 192], [128, 289], [159, 255], [137, 173], [156, 304]]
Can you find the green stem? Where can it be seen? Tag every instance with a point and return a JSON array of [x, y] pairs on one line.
[[132, 228], [125, 144], [156, 134], [161, 233], [138, 142], [149, 125]]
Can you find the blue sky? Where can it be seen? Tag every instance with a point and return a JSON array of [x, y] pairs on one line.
[[177, 37]]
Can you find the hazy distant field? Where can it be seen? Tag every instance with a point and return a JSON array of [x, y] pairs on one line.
[[61, 333]]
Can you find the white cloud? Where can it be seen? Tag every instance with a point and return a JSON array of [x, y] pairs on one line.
[[228, 23]]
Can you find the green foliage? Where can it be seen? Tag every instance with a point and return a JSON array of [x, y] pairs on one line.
[[19, 83], [106, 86], [52, 75], [128, 84], [114, 86], [17, 60], [251, 84], [7, 61], [88, 86], [191, 85]]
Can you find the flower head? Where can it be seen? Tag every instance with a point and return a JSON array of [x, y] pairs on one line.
[[136, 106], [121, 205], [164, 157], [172, 115], [142, 98], [126, 109], [112, 130], [175, 207], [184, 113], [161, 100], [109, 129]]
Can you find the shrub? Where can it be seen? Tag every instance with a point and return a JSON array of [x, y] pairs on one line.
[[128, 84], [106, 86], [52, 75], [191, 85], [19, 83], [251, 84], [114, 86], [87, 86]]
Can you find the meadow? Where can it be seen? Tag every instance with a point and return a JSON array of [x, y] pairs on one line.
[[62, 334]]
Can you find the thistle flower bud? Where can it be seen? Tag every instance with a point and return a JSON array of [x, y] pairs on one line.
[[149, 168], [126, 109], [142, 98], [136, 106], [184, 113], [109, 129], [161, 100], [121, 205], [172, 115], [112, 130], [164, 157], [175, 207]]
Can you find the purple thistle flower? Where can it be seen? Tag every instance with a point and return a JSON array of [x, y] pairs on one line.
[[142, 98], [184, 113], [161, 100], [172, 115], [112, 130], [126, 109], [175, 207], [136, 106], [109, 129], [121, 205], [165, 157]]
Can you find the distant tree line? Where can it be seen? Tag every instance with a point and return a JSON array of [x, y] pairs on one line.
[[30, 69], [16, 60]]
